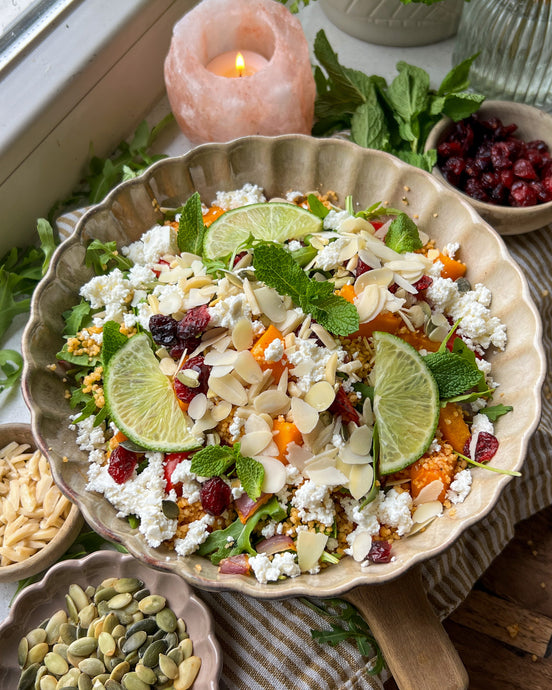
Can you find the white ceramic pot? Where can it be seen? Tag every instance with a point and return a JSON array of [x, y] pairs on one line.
[[390, 23]]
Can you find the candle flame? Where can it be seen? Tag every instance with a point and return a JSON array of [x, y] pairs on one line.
[[240, 64]]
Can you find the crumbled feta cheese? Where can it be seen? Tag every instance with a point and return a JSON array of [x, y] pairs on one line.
[[460, 487], [334, 219], [141, 277], [112, 289], [328, 257], [395, 511], [267, 570], [482, 423], [141, 495], [309, 361], [197, 533], [274, 351], [450, 249], [269, 530], [235, 426], [293, 196], [248, 194], [314, 502], [158, 242], [190, 486], [294, 245], [89, 437], [227, 312]]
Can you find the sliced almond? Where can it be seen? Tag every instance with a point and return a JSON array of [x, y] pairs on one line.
[[214, 358], [219, 372], [430, 492], [293, 318], [203, 424], [320, 395], [170, 303], [247, 367], [254, 442], [361, 478], [221, 411], [270, 303], [331, 368], [367, 413], [305, 416], [229, 388], [250, 297], [378, 276], [274, 476], [360, 441], [370, 302], [351, 458], [310, 546], [426, 511], [327, 476], [168, 366], [297, 455], [356, 224], [361, 546], [272, 402], [242, 335], [258, 422], [198, 406]]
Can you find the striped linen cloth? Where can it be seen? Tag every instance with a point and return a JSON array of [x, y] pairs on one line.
[[268, 644]]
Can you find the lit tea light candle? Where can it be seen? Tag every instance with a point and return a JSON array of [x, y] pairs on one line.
[[243, 63], [203, 70]]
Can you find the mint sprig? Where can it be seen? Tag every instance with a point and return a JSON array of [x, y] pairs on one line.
[[191, 228], [277, 269], [212, 461], [403, 235]]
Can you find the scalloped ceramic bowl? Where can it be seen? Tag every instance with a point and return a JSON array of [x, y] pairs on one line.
[[22, 434], [532, 124], [279, 164], [40, 600]]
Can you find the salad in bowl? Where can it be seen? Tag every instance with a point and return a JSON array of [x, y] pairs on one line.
[[276, 384]]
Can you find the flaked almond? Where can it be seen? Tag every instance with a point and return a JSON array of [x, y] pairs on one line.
[[214, 358], [361, 478], [229, 388], [379, 276], [427, 511], [352, 458], [270, 303], [305, 417], [247, 367], [305, 329], [297, 455], [370, 302], [250, 297], [203, 424], [242, 335], [254, 442], [354, 224], [310, 546], [325, 476], [274, 476], [367, 412], [220, 371], [170, 303], [221, 411], [198, 406], [430, 492], [321, 395], [361, 546], [369, 258], [327, 340], [168, 366], [272, 402], [360, 440], [293, 318]]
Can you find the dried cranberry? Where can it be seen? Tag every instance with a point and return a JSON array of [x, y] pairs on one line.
[[475, 189], [170, 462], [455, 165], [500, 156], [522, 168], [342, 406], [192, 326], [485, 449], [538, 145], [507, 178], [547, 183], [490, 179], [423, 283], [380, 552], [361, 268], [186, 393], [499, 194], [535, 158], [449, 148], [522, 194], [163, 330], [215, 496], [238, 257], [121, 464]]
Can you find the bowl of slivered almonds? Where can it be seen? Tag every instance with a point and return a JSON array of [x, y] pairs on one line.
[[37, 522]]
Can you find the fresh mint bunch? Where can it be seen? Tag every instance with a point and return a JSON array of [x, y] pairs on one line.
[[395, 117]]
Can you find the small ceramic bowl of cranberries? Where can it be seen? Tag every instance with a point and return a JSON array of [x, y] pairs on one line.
[[500, 158]]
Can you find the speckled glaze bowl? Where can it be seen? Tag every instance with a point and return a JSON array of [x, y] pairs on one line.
[[40, 600], [532, 124], [280, 164], [22, 434]]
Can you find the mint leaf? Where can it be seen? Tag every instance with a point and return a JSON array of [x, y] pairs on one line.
[[11, 366], [317, 207], [251, 474], [408, 92], [460, 105], [453, 374], [425, 161], [212, 461], [369, 127], [103, 257], [277, 269], [457, 78], [496, 411], [403, 235], [113, 340], [376, 210], [191, 229]]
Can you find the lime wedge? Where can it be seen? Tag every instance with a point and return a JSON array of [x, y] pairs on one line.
[[275, 222], [141, 400], [406, 403]]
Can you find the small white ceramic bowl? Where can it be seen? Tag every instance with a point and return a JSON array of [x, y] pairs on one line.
[[45, 557], [532, 124]]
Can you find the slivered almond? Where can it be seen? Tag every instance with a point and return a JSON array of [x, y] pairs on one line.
[[305, 328], [242, 335], [50, 500], [250, 297], [283, 382], [331, 368]]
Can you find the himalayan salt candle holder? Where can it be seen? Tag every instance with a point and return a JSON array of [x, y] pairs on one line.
[[239, 67]]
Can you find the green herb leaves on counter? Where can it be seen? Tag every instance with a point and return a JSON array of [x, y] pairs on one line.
[[403, 235], [11, 366], [212, 461], [277, 268], [397, 117], [191, 228]]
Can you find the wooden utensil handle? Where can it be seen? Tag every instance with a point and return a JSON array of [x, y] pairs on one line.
[[415, 645]]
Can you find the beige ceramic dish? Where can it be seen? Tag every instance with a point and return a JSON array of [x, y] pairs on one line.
[[532, 124], [21, 433], [281, 164], [39, 601]]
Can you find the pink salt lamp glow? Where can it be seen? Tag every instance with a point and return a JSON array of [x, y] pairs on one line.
[[275, 94]]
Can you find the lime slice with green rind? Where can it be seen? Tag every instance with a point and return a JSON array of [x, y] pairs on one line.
[[406, 403], [142, 402], [275, 222]]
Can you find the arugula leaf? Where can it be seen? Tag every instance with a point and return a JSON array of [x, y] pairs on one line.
[[217, 545], [75, 317], [103, 257], [9, 308], [113, 340], [11, 366], [496, 411], [191, 229], [403, 235], [276, 267], [83, 360], [212, 461]]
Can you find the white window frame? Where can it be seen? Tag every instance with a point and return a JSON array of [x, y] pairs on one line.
[[91, 77]]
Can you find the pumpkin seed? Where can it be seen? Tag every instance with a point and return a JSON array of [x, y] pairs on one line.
[[85, 682], [61, 649], [71, 609], [107, 644], [36, 636], [132, 658], [22, 651], [87, 615], [73, 659], [170, 509], [131, 608], [28, 677], [92, 667], [118, 631], [37, 653], [69, 679], [181, 628], [146, 674], [168, 667], [187, 648], [104, 594], [54, 624], [147, 624], [134, 641], [124, 617], [110, 621], [90, 591], [176, 655], [151, 654], [159, 635], [81, 631], [138, 616], [166, 620], [111, 662], [128, 584], [48, 683], [79, 596], [103, 608], [56, 664], [83, 646], [67, 633], [132, 682], [101, 678], [42, 671], [111, 684], [187, 672], [152, 604], [119, 670], [119, 601], [142, 594]]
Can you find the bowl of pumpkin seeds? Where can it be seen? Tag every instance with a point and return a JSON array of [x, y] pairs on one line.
[[109, 622]]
